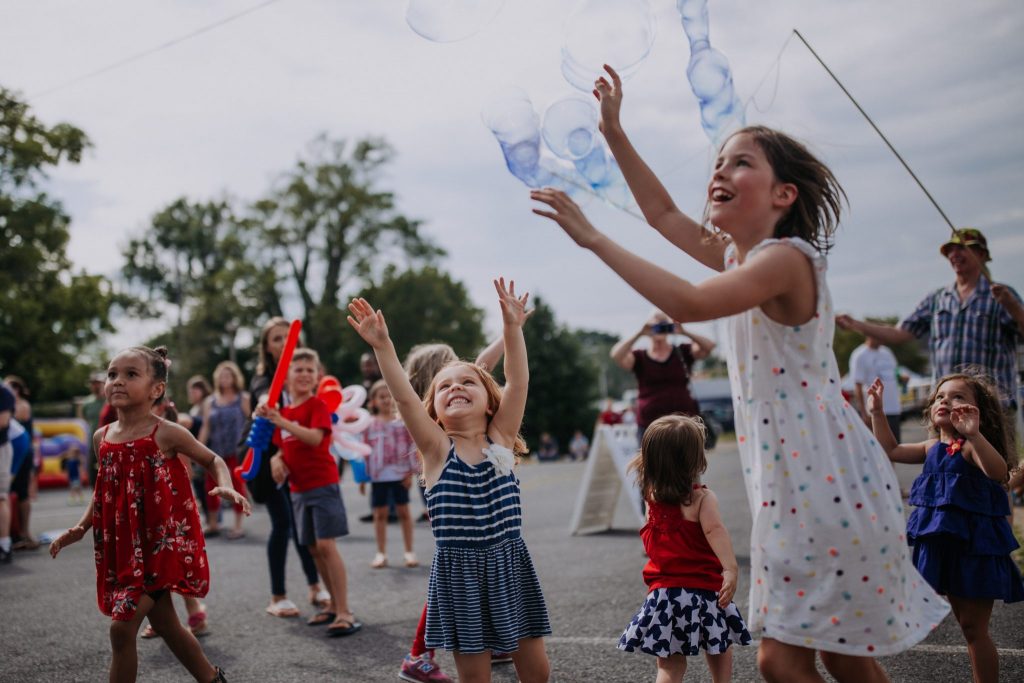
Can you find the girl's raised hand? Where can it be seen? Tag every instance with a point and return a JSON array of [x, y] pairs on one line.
[[610, 97], [965, 419], [368, 323], [232, 496], [72, 535], [567, 214], [513, 308], [875, 397]]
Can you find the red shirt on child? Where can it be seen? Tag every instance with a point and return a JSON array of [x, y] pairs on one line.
[[309, 467], [679, 552]]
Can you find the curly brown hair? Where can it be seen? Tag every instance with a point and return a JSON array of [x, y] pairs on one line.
[[814, 215], [994, 424], [671, 459]]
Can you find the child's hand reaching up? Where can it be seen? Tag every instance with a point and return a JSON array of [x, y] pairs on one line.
[[728, 589], [875, 397], [965, 419], [368, 323], [610, 97], [513, 308], [72, 535]]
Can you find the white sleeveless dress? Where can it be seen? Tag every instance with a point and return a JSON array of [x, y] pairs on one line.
[[830, 566]]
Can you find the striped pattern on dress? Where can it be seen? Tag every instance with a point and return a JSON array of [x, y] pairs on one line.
[[484, 593]]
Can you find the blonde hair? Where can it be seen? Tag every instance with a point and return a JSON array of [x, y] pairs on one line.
[[374, 389], [494, 393], [265, 365], [306, 353], [424, 362], [671, 459], [236, 373]]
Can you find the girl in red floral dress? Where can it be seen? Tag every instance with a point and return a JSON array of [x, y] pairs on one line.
[[145, 524]]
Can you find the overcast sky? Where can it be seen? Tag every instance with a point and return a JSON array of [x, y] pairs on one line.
[[227, 111]]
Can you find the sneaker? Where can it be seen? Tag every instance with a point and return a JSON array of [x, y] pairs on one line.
[[380, 560], [411, 560], [422, 669], [500, 658]]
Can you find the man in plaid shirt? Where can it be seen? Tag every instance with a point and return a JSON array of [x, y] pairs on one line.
[[972, 323]]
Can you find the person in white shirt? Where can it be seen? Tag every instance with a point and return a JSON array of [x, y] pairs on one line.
[[871, 360]]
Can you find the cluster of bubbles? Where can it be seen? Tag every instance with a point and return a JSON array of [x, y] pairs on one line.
[[710, 77], [563, 150], [599, 32], [446, 21]]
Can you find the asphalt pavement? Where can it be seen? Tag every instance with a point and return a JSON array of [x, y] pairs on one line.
[[52, 631]]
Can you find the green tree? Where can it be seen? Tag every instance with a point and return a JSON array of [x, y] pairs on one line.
[[611, 379], [423, 305], [195, 266], [48, 313], [908, 354], [563, 381], [332, 229]]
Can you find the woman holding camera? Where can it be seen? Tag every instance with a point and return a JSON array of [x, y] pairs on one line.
[[663, 369]]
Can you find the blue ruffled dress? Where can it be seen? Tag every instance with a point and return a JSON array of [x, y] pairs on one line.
[[959, 529]]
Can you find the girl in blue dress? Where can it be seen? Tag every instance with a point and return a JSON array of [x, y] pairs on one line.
[[484, 594], [959, 529]]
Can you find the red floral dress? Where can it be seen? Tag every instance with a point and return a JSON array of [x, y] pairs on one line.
[[146, 527]]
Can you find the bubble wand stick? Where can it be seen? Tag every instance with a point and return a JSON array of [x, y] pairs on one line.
[[262, 428]]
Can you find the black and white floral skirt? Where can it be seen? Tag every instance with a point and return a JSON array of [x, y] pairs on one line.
[[680, 621]]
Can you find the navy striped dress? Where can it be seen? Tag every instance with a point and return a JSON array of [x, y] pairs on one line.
[[484, 593]]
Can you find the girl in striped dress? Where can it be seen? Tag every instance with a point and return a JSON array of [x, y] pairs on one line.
[[484, 594]]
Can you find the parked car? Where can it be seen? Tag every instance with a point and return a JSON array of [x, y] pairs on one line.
[[715, 398]]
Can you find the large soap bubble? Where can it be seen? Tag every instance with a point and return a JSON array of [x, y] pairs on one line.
[[570, 127], [446, 21], [599, 32], [710, 77]]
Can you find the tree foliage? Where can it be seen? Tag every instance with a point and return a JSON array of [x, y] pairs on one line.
[[48, 312], [422, 306], [332, 229], [612, 380]]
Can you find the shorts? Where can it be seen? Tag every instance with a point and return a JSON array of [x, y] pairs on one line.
[[382, 491], [19, 486], [6, 456], [319, 513]]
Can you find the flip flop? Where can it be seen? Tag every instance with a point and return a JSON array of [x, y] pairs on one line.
[[234, 535], [345, 627], [321, 599], [321, 619], [283, 608]]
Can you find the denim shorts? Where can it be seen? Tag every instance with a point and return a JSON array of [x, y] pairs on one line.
[[382, 491], [319, 513]]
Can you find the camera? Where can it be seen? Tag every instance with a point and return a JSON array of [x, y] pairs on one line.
[[663, 328]]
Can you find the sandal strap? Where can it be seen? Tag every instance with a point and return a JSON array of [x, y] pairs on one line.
[[219, 678]]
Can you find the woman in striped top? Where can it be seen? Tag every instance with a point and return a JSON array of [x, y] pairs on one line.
[[484, 594]]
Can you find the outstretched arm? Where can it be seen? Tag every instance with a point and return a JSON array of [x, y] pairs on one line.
[[651, 196], [897, 452], [774, 271], [718, 538], [428, 435], [887, 334], [509, 416]]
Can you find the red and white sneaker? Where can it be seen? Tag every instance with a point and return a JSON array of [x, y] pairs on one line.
[[422, 669]]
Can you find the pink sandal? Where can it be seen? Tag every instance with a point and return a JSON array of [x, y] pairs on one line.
[[197, 624]]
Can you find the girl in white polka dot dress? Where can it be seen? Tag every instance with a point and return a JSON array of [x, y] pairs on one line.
[[830, 568]]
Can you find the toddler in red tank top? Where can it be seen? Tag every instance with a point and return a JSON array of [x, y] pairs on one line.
[[692, 571]]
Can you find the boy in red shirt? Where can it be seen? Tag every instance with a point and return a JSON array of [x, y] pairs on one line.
[[304, 438]]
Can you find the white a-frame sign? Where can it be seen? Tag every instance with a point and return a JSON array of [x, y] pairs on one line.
[[604, 478]]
